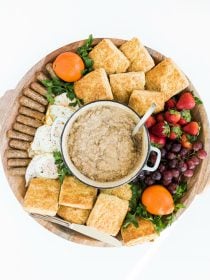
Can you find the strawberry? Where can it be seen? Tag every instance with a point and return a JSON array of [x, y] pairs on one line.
[[176, 132], [150, 122], [171, 103], [172, 116], [159, 142], [185, 117], [159, 117], [192, 128], [161, 129], [186, 101], [185, 142]]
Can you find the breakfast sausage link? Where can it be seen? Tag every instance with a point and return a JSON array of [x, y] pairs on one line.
[[17, 171], [31, 113], [39, 88], [19, 144], [35, 96], [19, 135], [12, 153], [50, 70], [24, 128], [41, 77], [28, 121], [28, 102], [18, 162]]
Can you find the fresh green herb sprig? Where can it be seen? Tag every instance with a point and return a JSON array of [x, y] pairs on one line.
[[83, 52], [56, 87], [61, 166], [137, 209]]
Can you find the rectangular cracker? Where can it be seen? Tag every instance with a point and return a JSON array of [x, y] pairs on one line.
[[123, 84], [73, 215], [141, 100], [138, 55], [42, 196], [76, 194], [166, 77], [93, 86], [106, 55], [145, 231], [108, 214], [123, 192]]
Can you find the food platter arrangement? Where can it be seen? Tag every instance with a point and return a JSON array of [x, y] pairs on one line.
[[69, 153]]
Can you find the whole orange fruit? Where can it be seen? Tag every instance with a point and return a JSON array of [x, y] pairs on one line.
[[158, 200], [68, 66]]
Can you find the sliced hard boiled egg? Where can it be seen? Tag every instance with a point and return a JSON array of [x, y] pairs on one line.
[[57, 111], [41, 166], [42, 141]]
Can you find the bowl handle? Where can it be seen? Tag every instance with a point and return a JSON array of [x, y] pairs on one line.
[[153, 168]]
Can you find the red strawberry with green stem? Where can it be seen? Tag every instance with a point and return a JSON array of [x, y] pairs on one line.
[[161, 129], [157, 141], [185, 117], [171, 103], [192, 128], [186, 101], [172, 116], [176, 132], [159, 117]]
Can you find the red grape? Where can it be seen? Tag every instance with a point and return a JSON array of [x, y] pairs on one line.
[[156, 176], [173, 163], [182, 166], [190, 164], [161, 167], [197, 146], [167, 175], [168, 146], [175, 173], [201, 154], [183, 152], [149, 181], [170, 156], [163, 153], [172, 188], [195, 160], [176, 147], [188, 173]]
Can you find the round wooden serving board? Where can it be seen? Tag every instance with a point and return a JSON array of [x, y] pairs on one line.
[[9, 104]]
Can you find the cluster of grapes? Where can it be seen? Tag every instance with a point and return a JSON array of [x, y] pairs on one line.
[[177, 163]]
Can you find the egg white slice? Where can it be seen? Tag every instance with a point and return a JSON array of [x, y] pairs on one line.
[[42, 141], [62, 100], [56, 131], [57, 111], [41, 166]]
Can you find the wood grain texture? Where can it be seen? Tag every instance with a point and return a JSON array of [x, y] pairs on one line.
[[9, 105]]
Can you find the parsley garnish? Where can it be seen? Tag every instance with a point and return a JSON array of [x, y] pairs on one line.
[[61, 166], [55, 87], [198, 100], [137, 209], [83, 51]]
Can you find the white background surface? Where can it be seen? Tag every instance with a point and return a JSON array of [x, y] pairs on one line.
[[31, 29]]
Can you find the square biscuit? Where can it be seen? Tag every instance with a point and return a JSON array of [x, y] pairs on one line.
[[141, 100], [106, 55], [42, 196], [77, 194], [93, 86], [123, 84], [166, 77], [123, 192], [73, 215], [138, 55], [108, 214], [145, 231]]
